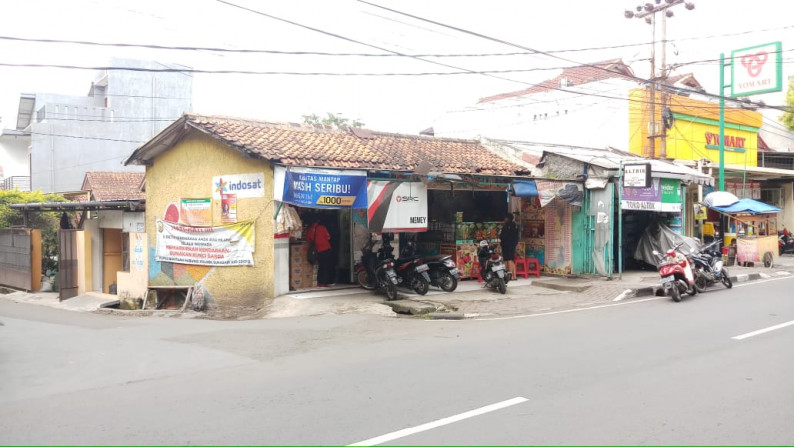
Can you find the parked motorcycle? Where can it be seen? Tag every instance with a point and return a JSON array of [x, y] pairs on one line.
[[707, 265], [444, 274], [412, 272], [492, 268], [785, 243], [676, 273], [373, 273]]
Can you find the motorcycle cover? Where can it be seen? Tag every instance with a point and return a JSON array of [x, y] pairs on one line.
[[661, 238]]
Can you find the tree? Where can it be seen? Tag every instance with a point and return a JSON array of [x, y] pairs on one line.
[[788, 117], [47, 222], [332, 119]]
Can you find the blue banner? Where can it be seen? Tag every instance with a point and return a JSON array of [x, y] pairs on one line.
[[325, 189]]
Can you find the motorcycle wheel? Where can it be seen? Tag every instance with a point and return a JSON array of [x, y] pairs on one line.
[[500, 284], [363, 280], [391, 292], [421, 286], [692, 290], [447, 282], [726, 281], [701, 283], [675, 293]]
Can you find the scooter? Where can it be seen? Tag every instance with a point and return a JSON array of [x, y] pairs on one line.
[[493, 269], [443, 272], [707, 265], [412, 273], [376, 274], [785, 243], [676, 273]]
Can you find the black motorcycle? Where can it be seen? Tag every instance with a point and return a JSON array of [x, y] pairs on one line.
[[412, 273], [373, 273], [707, 267], [442, 270], [492, 268], [785, 243], [444, 274]]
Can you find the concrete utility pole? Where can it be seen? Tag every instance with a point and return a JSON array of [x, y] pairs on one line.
[[648, 12]]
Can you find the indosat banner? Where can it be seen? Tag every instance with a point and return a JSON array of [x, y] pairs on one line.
[[320, 188]]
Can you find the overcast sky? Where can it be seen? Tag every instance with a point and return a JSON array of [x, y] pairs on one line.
[[389, 100]]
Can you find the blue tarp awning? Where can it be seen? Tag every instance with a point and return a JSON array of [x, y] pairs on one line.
[[748, 206], [525, 188]]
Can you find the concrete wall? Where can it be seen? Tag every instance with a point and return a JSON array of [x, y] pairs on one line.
[[133, 283], [787, 216], [14, 155], [186, 171], [549, 117], [73, 135]]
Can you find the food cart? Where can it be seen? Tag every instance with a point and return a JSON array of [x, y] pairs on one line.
[[751, 228]]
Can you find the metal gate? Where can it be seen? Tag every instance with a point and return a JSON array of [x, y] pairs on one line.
[[67, 263]]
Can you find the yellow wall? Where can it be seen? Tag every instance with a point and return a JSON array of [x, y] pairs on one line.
[[186, 171], [687, 139]]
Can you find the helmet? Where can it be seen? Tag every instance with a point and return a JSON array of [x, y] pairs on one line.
[[483, 243]]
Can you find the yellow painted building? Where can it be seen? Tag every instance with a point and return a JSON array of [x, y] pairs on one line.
[[694, 134], [186, 170]]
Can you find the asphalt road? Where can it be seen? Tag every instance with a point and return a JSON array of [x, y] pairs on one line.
[[641, 372]]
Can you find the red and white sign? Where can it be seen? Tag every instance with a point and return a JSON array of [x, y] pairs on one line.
[[756, 70], [396, 206]]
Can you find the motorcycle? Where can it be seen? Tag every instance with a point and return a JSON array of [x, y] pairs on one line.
[[785, 243], [492, 268], [376, 274], [676, 273], [442, 271], [444, 274], [707, 265], [412, 273]]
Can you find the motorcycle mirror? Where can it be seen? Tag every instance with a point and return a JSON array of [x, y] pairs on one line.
[[656, 253]]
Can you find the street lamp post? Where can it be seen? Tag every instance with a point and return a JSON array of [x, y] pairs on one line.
[[648, 12]]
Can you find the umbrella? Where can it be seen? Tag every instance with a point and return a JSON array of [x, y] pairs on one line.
[[719, 198]]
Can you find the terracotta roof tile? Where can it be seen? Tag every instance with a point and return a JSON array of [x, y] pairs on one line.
[[583, 74], [300, 145], [114, 185]]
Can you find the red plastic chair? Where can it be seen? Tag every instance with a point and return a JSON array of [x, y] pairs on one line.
[[475, 271]]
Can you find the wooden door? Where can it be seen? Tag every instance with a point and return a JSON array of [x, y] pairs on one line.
[[111, 257]]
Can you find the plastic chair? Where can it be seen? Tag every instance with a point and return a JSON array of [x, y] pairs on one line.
[[522, 266], [475, 271], [533, 266]]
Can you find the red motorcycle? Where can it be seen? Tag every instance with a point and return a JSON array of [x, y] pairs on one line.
[[676, 273]]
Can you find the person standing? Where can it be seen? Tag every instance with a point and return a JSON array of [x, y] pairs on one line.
[[509, 240], [318, 233]]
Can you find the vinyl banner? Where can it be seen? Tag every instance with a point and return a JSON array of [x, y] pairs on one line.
[[325, 188], [396, 206], [225, 245]]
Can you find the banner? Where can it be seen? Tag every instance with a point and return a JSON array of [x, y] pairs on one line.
[[664, 195], [196, 212], [226, 245], [396, 206], [243, 185], [572, 193], [323, 188]]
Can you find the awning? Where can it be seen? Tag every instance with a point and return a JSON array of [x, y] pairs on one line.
[[748, 206], [525, 188]]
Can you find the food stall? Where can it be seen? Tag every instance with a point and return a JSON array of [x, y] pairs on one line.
[[752, 230]]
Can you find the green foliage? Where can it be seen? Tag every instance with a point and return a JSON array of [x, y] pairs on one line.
[[788, 117], [48, 222], [331, 119]]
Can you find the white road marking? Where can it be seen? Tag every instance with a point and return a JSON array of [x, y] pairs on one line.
[[513, 317], [441, 422], [761, 282], [763, 331], [623, 295]]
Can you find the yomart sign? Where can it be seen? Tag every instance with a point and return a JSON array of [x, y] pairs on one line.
[[756, 70]]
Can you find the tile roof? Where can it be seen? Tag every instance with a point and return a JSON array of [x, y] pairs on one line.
[[598, 71], [114, 185], [322, 146]]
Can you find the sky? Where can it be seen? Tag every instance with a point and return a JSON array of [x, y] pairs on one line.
[[395, 93]]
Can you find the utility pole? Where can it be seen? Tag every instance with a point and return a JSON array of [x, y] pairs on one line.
[[648, 12]]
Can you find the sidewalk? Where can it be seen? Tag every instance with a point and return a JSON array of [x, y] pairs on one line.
[[470, 300]]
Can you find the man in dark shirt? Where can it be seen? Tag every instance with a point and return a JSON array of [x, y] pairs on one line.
[[509, 240]]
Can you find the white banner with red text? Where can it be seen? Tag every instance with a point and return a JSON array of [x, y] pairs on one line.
[[221, 246]]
